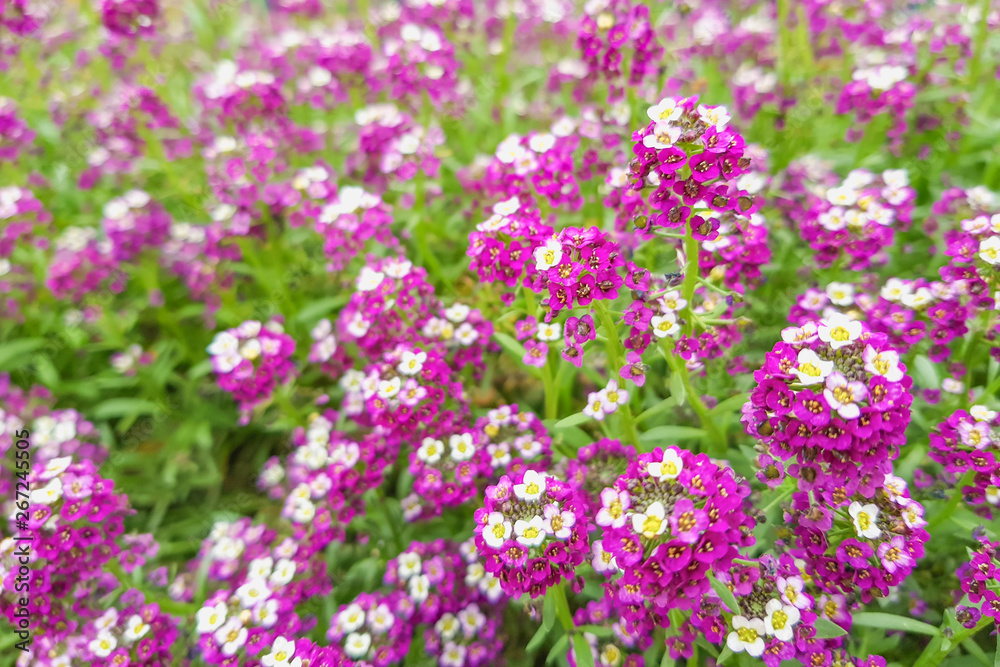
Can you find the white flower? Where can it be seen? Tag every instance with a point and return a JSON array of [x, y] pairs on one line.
[[548, 255], [718, 117], [652, 522], [919, 298], [896, 178], [952, 386], [466, 334], [864, 517], [283, 572], [103, 645], [260, 568], [497, 530], [540, 143], [357, 644], [412, 362], [252, 592], [462, 447], [747, 635], [595, 405], [842, 196], [780, 620], [669, 468], [303, 511], [665, 325], [55, 467], [388, 389], [282, 651], [251, 349], [419, 588], [407, 565], [839, 330], [810, 369], [531, 487], [380, 619], [457, 313], [982, 414], [663, 136], [530, 533], [613, 396], [549, 332], [430, 451], [223, 343], [136, 628], [895, 289], [989, 250], [369, 279], [842, 294], [453, 655], [664, 110], [265, 614], [447, 626], [352, 618], [231, 636], [48, 494]]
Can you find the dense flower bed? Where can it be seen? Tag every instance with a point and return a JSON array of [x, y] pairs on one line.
[[469, 333]]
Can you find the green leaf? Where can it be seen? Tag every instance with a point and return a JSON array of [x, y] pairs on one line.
[[725, 655], [882, 621], [572, 420], [596, 630], [15, 353], [926, 372], [123, 407], [557, 649], [548, 620], [677, 388], [730, 404], [724, 594], [581, 648], [669, 402], [827, 629], [672, 432], [313, 312], [516, 350]]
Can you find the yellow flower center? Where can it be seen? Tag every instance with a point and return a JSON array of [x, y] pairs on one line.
[[881, 365], [616, 509], [840, 334], [670, 468], [747, 635], [532, 489], [281, 656], [864, 520], [531, 532], [498, 531], [809, 369], [779, 619], [651, 525], [557, 522]]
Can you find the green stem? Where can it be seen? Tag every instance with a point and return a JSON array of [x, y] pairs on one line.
[[935, 652], [616, 356], [692, 251], [551, 392], [716, 437], [558, 592]]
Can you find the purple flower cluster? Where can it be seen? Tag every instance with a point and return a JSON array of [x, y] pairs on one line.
[[835, 398], [671, 519], [250, 360]]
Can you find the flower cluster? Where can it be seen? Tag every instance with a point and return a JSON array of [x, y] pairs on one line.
[[532, 532], [511, 441], [372, 629], [968, 443], [835, 398], [250, 360], [669, 520], [857, 540], [978, 579]]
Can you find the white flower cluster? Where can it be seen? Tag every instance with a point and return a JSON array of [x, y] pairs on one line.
[[119, 213], [453, 327], [606, 401], [748, 633], [500, 450], [469, 621], [476, 575], [229, 348], [552, 522], [359, 628], [258, 595], [132, 630], [852, 209]]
